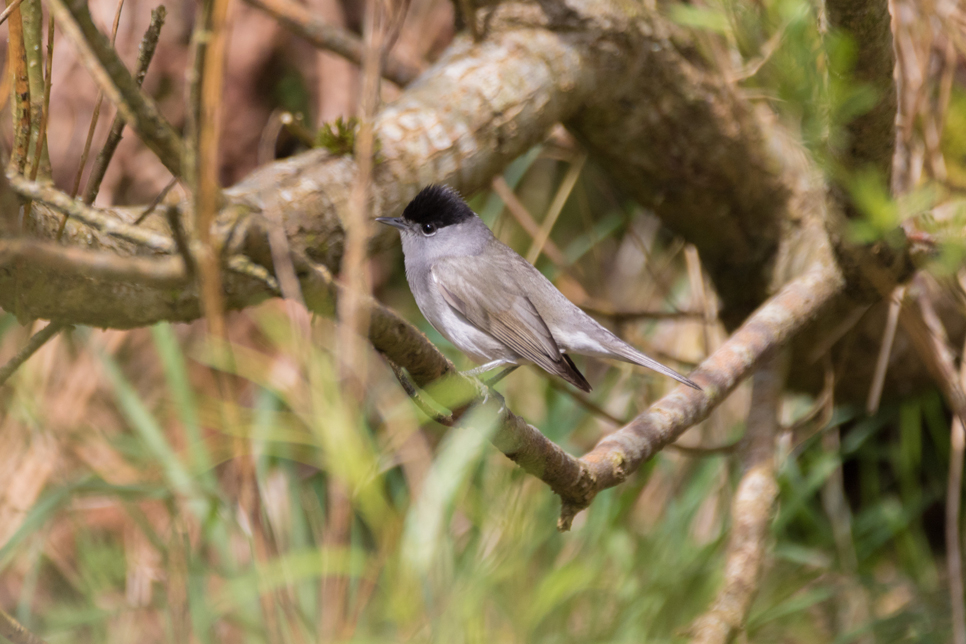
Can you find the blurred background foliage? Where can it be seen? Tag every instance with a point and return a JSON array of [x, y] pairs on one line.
[[145, 499]]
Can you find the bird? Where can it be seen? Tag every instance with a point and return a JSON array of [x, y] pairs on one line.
[[490, 302]]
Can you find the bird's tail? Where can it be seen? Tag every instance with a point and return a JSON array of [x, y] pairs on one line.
[[630, 354]]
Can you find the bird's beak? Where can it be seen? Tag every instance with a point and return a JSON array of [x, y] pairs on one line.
[[395, 222]]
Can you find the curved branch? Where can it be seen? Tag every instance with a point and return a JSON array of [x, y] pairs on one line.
[[771, 326]]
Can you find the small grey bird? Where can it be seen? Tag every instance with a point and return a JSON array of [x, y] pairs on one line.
[[490, 302]]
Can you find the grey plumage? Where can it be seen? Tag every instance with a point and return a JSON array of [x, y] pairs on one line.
[[490, 302]]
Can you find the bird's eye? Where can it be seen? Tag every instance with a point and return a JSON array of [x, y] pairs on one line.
[[428, 229]]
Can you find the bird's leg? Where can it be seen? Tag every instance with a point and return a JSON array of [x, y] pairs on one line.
[[503, 374], [483, 368]]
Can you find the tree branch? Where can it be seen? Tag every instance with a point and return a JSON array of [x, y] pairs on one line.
[[36, 341], [162, 272], [751, 511], [770, 327], [871, 137]]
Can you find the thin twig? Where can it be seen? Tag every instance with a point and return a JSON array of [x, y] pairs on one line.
[[95, 117], [928, 335], [138, 110], [154, 202], [299, 20], [15, 631], [353, 315], [149, 44], [820, 413], [36, 341], [10, 8], [181, 240], [751, 511], [885, 350], [523, 217], [88, 216]]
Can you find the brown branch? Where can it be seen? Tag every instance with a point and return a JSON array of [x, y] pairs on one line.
[[751, 511], [871, 136], [97, 220], [162, 272], [8, 10], [299, 20], [771, 326], [954, 543], [929, 337], [41, 156], [21, 90], [36, 341], [33, 36], [149, 44], [15, 631], [95, 118], [113, 78]]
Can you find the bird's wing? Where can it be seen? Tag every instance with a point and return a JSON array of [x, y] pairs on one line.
[[509, 315]]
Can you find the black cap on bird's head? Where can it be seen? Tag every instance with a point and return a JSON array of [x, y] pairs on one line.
[[438, 205]]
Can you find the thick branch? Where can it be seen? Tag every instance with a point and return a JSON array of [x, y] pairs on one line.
[[163, 272], [871, 137]]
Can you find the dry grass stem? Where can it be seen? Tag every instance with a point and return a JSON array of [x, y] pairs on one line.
[[523, 217], [556, 207], [208, 188], [885, 350], [353, 316]]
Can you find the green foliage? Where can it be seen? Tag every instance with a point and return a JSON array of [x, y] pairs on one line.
[[339, 136], [954, 137]]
